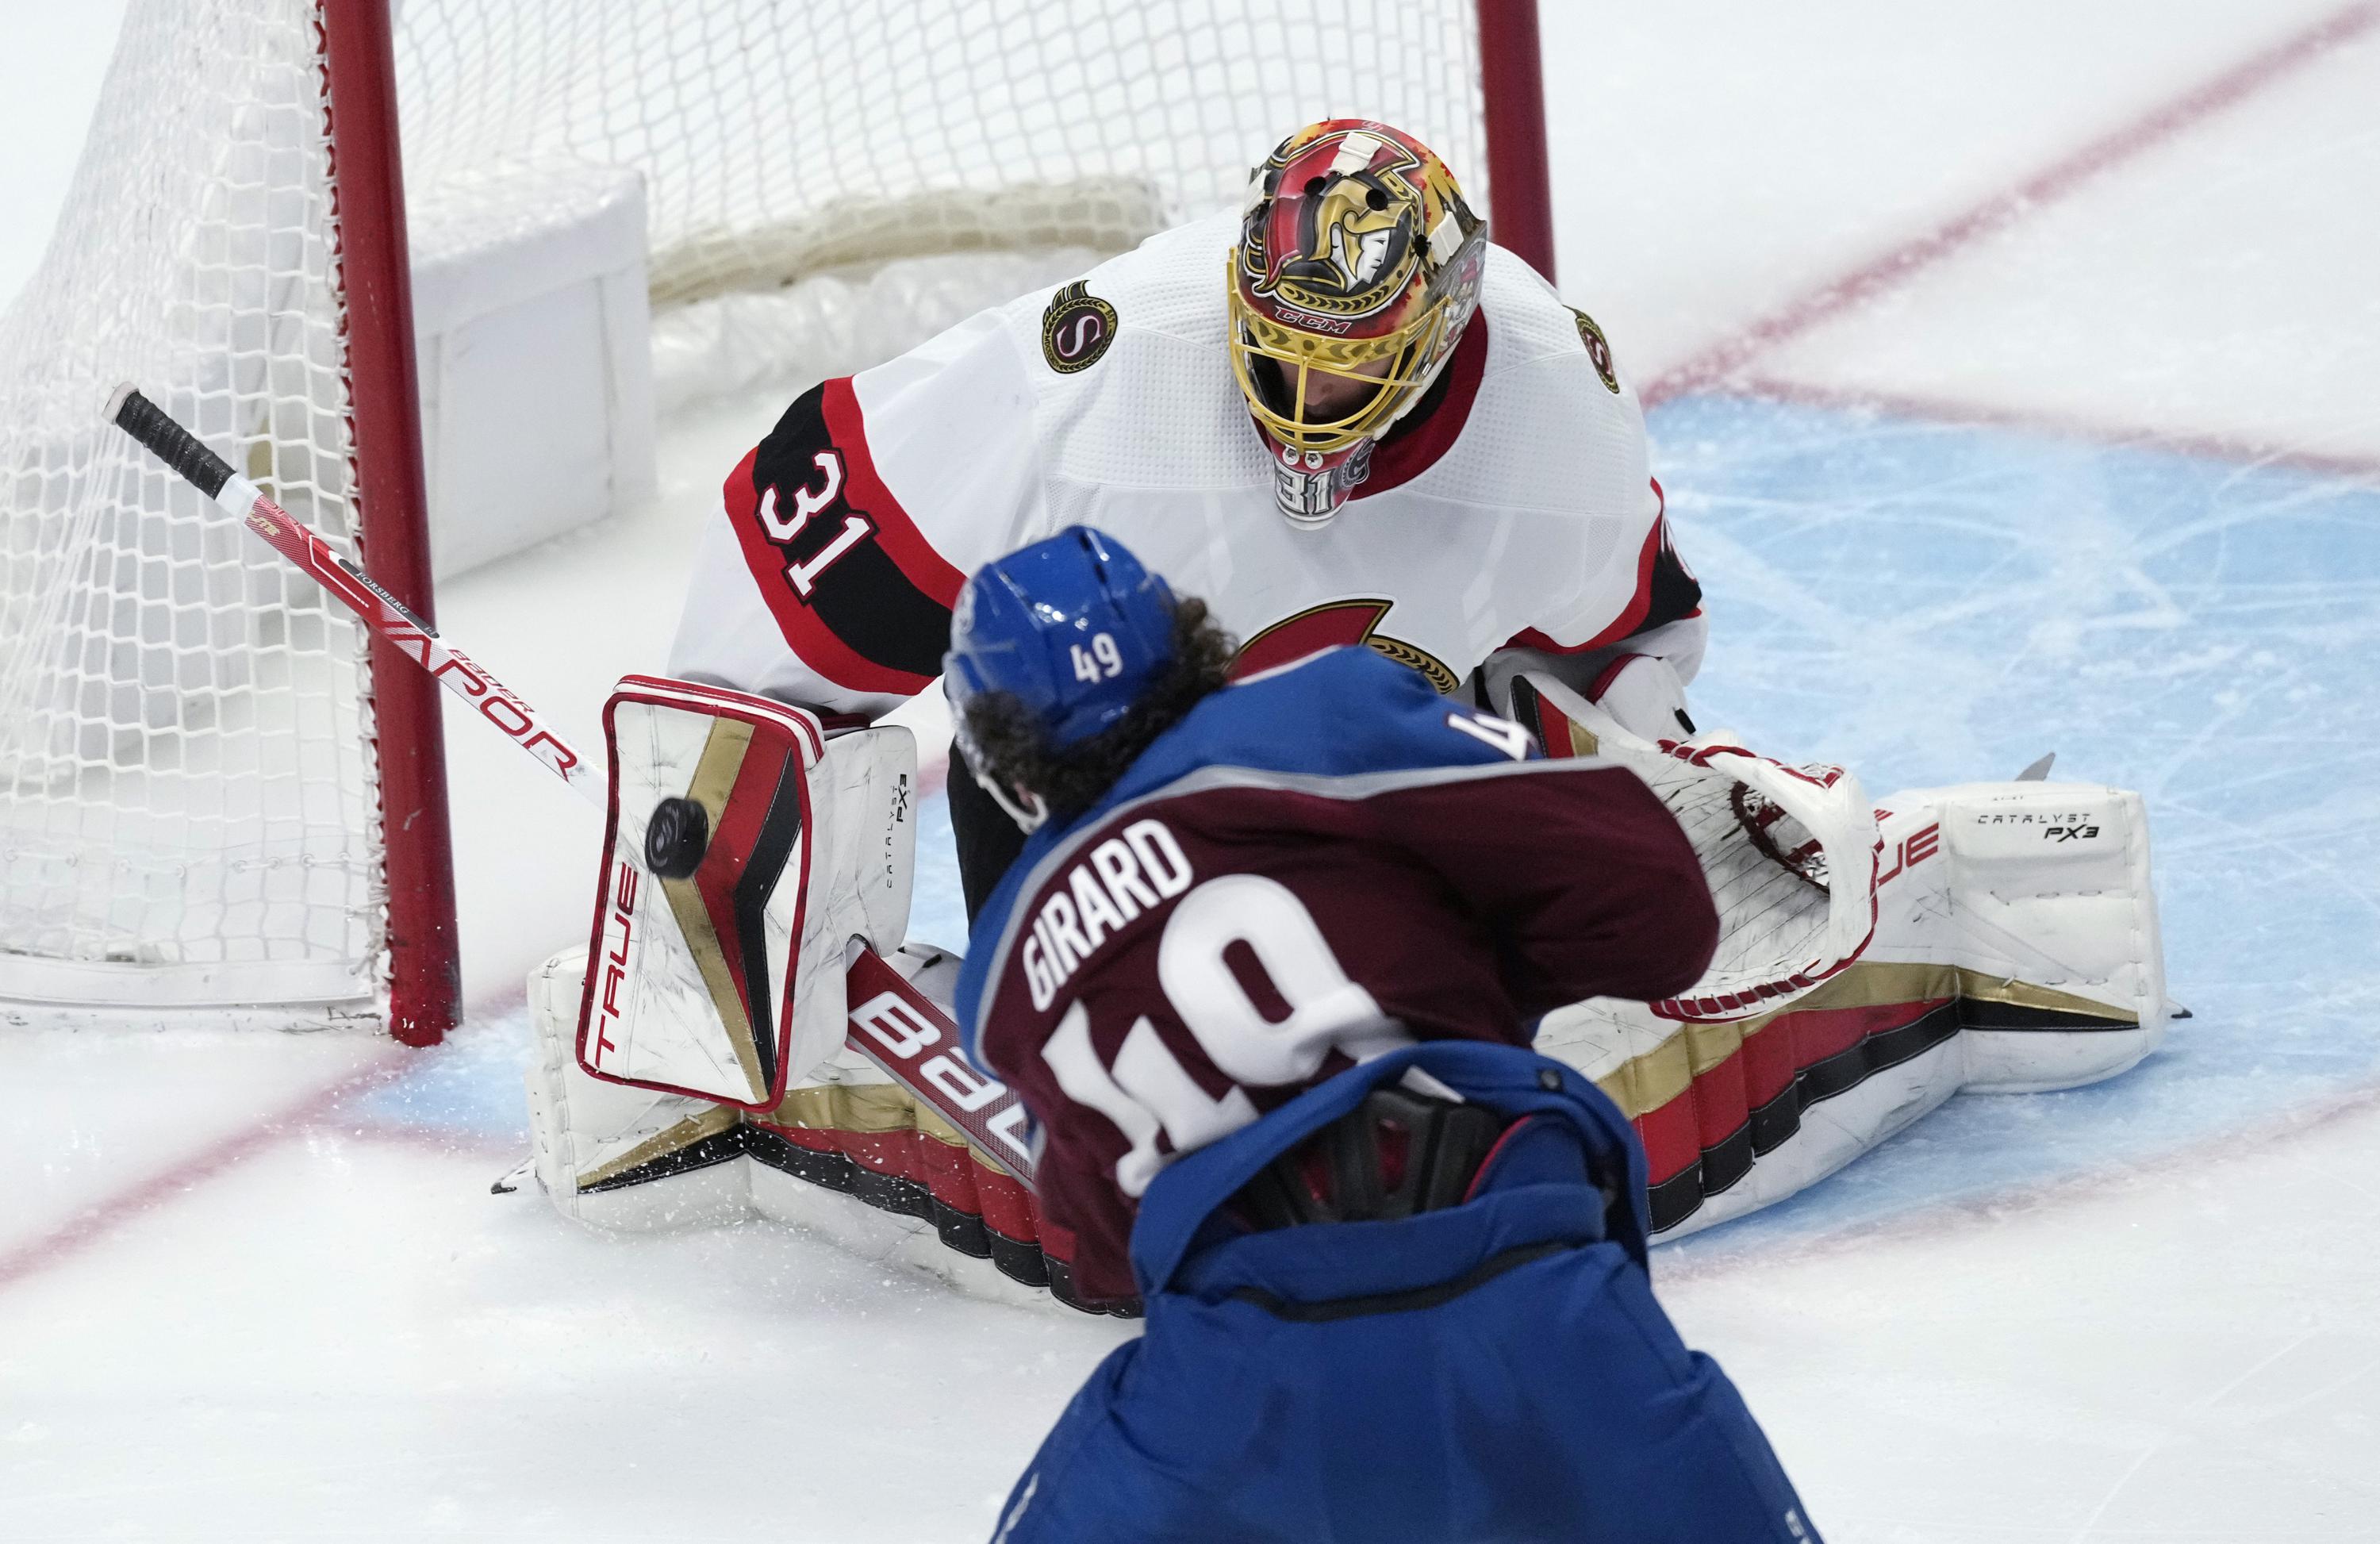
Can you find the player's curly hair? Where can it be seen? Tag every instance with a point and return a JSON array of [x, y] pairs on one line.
[[1010, 749]]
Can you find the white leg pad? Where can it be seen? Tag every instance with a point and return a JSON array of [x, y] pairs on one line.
[[588, 1133], [2048, 899]]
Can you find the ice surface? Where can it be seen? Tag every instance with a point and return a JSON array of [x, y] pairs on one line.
[[254, 1287], [1928, 602], [2140, 311]]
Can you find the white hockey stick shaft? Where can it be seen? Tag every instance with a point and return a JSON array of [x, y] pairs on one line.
[[379, 611]]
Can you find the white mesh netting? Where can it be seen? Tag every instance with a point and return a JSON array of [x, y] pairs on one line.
[[185, 758], [186, 797]]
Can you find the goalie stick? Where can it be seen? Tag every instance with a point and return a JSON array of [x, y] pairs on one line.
[[991, 1125], [384, 612]]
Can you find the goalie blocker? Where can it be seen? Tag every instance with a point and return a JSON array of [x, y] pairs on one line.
[[752, 1036]]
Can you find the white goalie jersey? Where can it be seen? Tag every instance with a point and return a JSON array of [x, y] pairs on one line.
[[1513, 508]]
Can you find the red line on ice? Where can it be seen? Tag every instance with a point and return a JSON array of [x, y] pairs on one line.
[[1945, 411], [934, 774], [95, 1222], [2062, 177]]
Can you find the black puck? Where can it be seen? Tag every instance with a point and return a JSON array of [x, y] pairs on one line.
[[676, 838]]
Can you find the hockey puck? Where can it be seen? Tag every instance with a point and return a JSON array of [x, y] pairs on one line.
[[676, 838]]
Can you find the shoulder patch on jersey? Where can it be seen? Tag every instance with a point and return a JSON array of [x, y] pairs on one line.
[[1598, 349], [1077, 329]]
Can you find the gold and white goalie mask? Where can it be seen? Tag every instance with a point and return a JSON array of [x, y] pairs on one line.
[[746, 849], [1357, 266]]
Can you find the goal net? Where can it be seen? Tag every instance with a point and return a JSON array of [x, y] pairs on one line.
[[190, 790]]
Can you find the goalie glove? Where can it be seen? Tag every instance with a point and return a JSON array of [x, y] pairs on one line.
[[1791, 853]]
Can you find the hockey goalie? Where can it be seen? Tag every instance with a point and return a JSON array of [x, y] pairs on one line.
[[1343, 417]]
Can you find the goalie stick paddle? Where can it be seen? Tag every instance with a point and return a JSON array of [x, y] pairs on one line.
[[987, 1111]]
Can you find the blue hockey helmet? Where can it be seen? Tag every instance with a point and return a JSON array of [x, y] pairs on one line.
[[1072, 627]]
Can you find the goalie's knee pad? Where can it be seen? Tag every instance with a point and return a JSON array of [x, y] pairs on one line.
[[613, 1155]]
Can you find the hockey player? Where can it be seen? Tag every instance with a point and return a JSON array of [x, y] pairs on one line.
[[1266, 973], [1342, 415]]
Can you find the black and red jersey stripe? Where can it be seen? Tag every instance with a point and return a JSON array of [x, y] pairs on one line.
[[1666, 592], [877, 617]]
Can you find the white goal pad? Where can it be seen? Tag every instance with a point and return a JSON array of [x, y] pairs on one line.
[[1872, 962]]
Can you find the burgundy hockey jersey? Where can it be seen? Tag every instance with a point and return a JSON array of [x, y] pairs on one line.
[[1310, 870]]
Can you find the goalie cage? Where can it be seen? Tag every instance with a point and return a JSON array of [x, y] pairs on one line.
[[216, 797]]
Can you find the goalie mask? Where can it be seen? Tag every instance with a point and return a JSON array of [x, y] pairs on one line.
[[1357, 266]]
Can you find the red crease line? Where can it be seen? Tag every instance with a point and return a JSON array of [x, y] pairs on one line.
[[95, 1222], [2238, 450], [1944, 1217], [2062, 177]]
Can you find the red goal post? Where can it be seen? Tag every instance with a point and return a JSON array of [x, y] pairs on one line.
[[217, 797], [375, 272]]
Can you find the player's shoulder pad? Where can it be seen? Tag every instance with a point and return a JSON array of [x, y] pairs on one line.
[[858, 591], [1169, 287], [1536, 324], [1547, 432], [1343, 712]]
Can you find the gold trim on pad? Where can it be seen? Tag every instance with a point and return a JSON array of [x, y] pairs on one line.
[[1651, 1081], [714, 780], [684, 1134]]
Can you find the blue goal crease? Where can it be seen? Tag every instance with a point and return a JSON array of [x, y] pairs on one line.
[[1927, 604]]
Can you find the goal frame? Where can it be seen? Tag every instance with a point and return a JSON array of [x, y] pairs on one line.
[[373, 272]]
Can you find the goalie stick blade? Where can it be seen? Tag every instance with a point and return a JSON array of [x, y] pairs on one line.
[[2039, 770]]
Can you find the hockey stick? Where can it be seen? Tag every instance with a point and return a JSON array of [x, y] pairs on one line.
[[379, 611], [992, 1126]]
